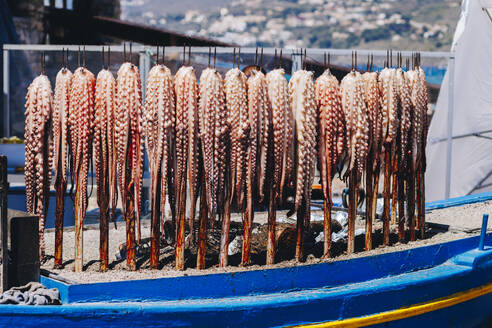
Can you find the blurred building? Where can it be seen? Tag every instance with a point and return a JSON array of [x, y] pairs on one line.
[[44, 21]]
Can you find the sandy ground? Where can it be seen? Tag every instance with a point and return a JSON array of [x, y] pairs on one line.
[[466, 218], [445, 225]]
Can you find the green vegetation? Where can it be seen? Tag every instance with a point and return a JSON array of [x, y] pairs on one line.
[[379, 33]]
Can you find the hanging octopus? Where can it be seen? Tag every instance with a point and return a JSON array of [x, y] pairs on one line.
[[405, 105], [423, 160], [260, 124], [279, 148], [186, 90], [331, 141], [213, 135], [158, 123], [303, 105], [357, 123], [357, 136], [282, 122], [104, 154], [81, 114], [389, 106], [60, 146], [389, 103], [419, 101], [332, 128], [259, 119], [423, 105], [238, 120], [374, 115], [237, 144], [415, 124], [60, 123], [373, 166], [39, 150], [129, 148]]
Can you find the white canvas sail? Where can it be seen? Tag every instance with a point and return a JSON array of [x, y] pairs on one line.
[[471, 161]]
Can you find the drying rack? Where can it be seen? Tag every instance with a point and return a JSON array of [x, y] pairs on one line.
[[145, 57]]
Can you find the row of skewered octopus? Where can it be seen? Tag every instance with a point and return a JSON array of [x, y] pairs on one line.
[[233, 138]]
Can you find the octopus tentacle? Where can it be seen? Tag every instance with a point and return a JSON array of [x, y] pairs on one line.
[[259, 118], [213, 133], [237, 109], [186, 90], [303, 104], [39, 150], [332, 133], [129, 148], [357, 133]]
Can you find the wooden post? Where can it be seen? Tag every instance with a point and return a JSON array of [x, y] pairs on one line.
[[46, 198], [248, 220], [327, 229], [401, 207], [78, 257], [191, 220], [417, 198], [327, 215], [181, 219], [376, 174], [155, 224], [272, 220], [394, 185], [386, 191], [60, 187], [104, 231], [420, 188], [129, 199], [103, 202], [202, 233], [224, 239], [352, 209], [248, 215], [411, 202], [172, 197], [307, 216], [422, 201], [369, 203], [131, 262], [422, 169], [301, 218]]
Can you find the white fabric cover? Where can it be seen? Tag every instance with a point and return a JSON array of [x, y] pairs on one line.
[[471, 156]]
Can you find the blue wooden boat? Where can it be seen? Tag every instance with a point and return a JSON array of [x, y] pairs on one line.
[[441, 285]]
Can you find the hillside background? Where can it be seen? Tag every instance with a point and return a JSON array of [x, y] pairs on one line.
[[368, 24]]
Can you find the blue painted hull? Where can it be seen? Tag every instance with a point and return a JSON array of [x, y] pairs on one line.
[[297, 295], [474, 313], [279, 297]]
